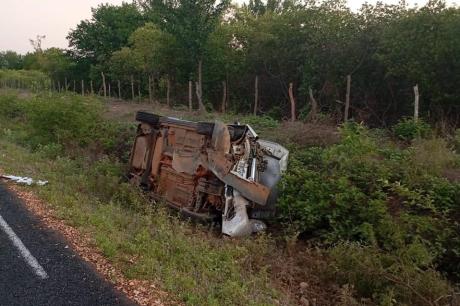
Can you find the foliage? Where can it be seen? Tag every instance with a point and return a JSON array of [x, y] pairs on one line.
[[409, 129], [390, 279], [260, 122], [190, 22], [56, 63], [386, 49], [156, 48], [55, 123], [62, 119], [386, 198], [107, 31], [191, 263], [28, 79], [11, 60]]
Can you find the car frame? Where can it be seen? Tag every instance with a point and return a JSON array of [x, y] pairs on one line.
[[208, 171]]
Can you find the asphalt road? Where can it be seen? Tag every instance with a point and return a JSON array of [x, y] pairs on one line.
[[38, 268]]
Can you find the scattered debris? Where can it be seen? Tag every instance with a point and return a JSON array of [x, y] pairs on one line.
[[24, 180]]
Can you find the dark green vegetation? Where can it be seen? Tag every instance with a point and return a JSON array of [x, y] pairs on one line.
[[386, 49], [392, 202], [381, 212]]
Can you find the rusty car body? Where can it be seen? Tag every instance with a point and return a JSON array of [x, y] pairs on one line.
[[208, 171]]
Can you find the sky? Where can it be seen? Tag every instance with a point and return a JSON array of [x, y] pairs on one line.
[[21, 20]]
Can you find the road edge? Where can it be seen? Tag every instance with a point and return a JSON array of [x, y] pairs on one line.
[[143, 292]]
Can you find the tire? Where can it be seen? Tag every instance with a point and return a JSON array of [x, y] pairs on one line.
[[147, 118], [205, 128], [236, 131]]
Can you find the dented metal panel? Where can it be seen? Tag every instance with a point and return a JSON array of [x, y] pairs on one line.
[[208, 170]]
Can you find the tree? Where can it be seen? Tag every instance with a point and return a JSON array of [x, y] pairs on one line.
[[156, 49], [106, 32], [56, 63], [125, 63], [11, 60], [190, 22]]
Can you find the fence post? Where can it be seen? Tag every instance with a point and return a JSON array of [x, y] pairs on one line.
[[314, 106], [83, 88], [347, 99], [190, 96], [119, 89], [416, 102], [291, 98], [103, 85], [132, 88], [168, 92], [139, 90], [224, 96], [256, 95]]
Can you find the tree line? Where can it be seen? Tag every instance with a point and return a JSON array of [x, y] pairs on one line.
[[282, 58]]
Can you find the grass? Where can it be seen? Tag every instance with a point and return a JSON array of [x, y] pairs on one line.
[[191, 262], [361, 196]]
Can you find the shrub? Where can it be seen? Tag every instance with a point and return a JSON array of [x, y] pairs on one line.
[[63, 119], [390, 279], [10, 106], [364, 190], [409, 129], [260, 122]]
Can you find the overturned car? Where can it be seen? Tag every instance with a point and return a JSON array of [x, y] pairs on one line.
[[208, 171]]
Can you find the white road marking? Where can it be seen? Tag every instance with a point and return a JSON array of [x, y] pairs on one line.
[[25, 253]]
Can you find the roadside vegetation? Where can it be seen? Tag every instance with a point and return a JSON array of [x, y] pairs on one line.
[[367, 219], [154, 50], [369, 209]]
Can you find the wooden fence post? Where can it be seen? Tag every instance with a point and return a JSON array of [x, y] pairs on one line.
[[168, 92], [132, 87], [119, 89], [347, 99], [314, 106], [199, 96], [224, 96], [110, 91], [416, 102], [256, 95], [150, 89], [83, 88], [190, 96], [292, 99], [92, 87], [65, 84], [139, 90], [104, 85]]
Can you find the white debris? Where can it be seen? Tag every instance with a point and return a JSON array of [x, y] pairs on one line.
[[24, 180]]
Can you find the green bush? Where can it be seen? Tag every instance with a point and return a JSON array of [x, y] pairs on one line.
[[30, 79], [10, 106], [260, 122], [365, 190], [63, 119], [390, 279], [409, 129]]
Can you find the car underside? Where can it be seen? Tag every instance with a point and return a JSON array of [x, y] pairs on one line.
[[208, 171]]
